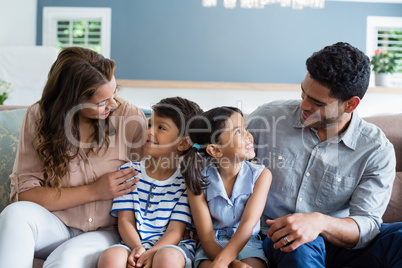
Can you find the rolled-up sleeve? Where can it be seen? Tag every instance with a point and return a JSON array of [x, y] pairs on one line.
[[28, 170], [371, 197]]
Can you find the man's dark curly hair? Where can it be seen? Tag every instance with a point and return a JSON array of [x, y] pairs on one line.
[[344, 69]]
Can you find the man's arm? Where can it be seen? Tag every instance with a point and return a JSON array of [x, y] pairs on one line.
[[301, 228]]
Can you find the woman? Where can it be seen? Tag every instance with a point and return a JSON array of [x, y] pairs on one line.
[[65, 172]]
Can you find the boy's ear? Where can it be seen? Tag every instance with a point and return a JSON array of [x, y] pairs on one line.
[[214, 151], [184, 144]]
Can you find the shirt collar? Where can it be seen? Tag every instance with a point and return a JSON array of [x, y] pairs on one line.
[[297, 122], [216, 187], [348, 136]]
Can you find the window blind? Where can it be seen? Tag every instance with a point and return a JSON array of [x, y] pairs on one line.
[[83, 33], [390, 39]]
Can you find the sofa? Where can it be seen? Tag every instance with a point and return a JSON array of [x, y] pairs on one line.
[[10, 127]]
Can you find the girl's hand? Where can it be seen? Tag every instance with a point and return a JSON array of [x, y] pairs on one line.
[[113, 184], [134, 256]]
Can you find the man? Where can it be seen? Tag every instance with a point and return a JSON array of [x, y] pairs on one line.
[[332, 171]]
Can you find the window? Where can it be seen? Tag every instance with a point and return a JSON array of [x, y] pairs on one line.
[[385, 33], [71, 26]]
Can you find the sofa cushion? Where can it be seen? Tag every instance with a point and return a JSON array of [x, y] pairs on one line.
[[393, 212], [390, 124], [10, 127]]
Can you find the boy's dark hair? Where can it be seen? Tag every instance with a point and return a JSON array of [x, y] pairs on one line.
[[344, 69], [180, 110], [204, 129]]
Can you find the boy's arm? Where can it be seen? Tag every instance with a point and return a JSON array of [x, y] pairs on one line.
[[127, 229], [172, 236], [203, 224], [251, 216]]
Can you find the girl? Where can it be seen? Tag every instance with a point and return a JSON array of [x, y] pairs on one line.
[[153, 218], [228, 195]]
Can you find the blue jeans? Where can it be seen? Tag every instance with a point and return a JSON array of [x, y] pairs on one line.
[[384, 251]]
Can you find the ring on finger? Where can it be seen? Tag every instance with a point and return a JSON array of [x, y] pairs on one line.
[[286, 240]]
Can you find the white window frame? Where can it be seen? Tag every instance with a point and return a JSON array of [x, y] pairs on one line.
[[53, 14], [373, 23], [370, 1]]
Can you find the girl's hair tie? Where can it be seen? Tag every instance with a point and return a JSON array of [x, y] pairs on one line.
[[196, 146]]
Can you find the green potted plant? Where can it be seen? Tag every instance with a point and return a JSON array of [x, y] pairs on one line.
[[384, 64], [4, 90]]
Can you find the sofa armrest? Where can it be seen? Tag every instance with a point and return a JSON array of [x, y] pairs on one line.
[[10, 128]]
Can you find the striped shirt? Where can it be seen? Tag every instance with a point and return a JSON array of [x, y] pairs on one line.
[[155, 203]]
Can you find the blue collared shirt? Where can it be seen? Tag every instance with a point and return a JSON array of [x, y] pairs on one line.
[[350, 175], [226, 212]]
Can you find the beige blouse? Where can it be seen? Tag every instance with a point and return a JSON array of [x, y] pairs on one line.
[[125, 145]]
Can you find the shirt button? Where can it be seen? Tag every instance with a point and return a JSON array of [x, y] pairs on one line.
[[300, 199], [91, 181], [280, 157], [152, 196], [338, 179], [229, 206], [308, 174], [154, 187], [149, 205], [90, 219]]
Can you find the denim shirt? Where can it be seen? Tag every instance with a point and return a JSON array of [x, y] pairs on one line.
[[350, 175], [226, 212]]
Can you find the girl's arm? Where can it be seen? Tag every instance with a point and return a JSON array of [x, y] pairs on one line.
[[203, 224], [251, 215], [108, 186]]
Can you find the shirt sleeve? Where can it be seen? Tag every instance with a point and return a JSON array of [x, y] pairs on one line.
[[28, 169], [181, 211], [372, 195], [121, 203]]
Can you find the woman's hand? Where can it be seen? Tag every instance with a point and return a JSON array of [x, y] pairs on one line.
[[108, 186], [115, 184]]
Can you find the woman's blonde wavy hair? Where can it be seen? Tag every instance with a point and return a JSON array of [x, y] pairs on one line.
[[73, 78]]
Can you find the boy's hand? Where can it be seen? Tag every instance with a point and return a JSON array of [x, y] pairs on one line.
[[134, 256], [146, 258], [239, 264]]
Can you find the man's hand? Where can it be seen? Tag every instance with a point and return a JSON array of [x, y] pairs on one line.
[[113, 184], [293, 230]]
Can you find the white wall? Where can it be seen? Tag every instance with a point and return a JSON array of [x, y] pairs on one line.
[[18, 22], [373, 103], [18, 28]]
